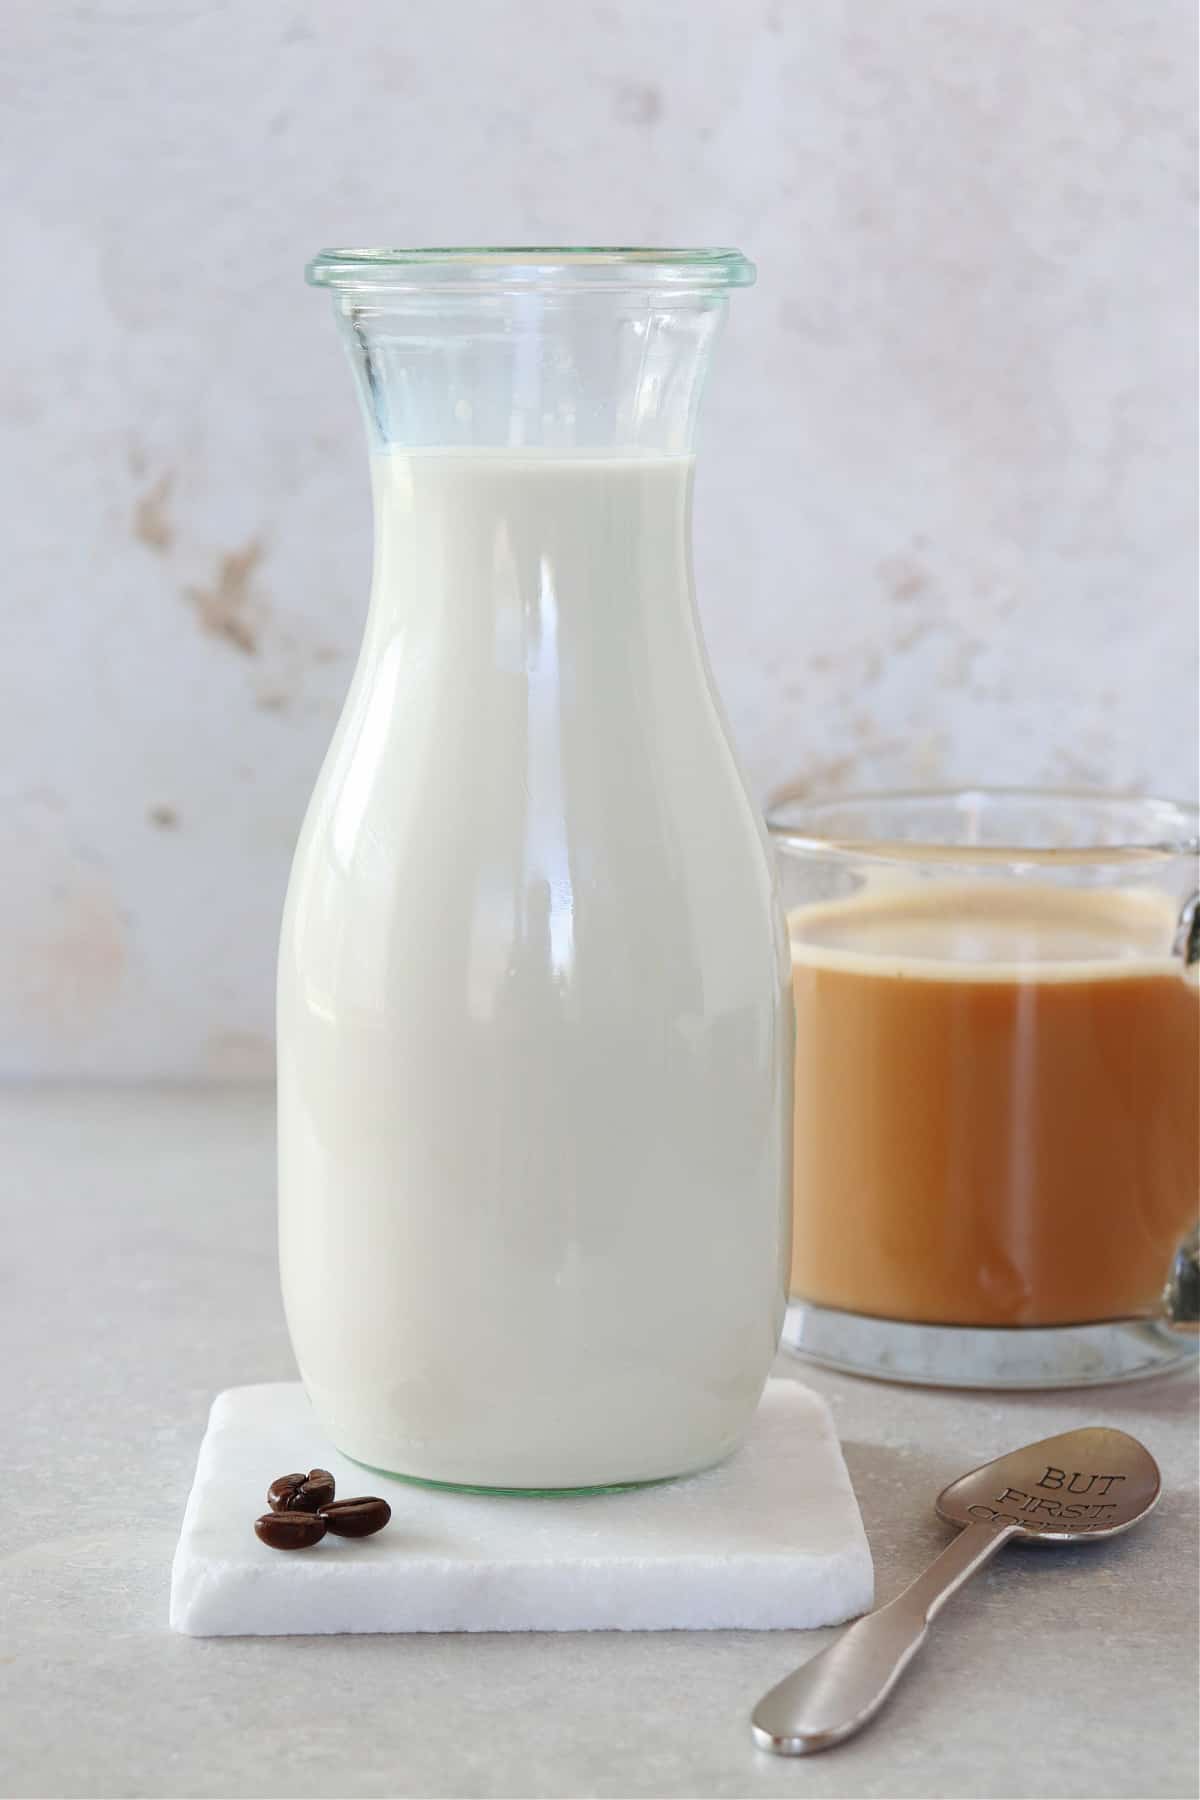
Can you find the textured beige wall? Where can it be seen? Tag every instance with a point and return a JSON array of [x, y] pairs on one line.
[[946, 497]]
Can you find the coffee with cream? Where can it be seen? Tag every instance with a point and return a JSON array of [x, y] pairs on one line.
[[996, 1104]]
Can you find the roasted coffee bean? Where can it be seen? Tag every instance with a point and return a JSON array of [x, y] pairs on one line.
[[358, 1517], [281, 1490], [290, 1530], [301, 1493]]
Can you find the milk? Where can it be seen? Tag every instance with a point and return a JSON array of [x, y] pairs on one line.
[[535, 1027]]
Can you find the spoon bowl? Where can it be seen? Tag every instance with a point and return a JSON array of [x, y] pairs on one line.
[[1090, 1483]]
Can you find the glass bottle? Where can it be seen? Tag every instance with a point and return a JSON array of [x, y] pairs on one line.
[[535, 1024]]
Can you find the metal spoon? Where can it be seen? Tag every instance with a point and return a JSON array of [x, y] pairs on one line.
[[1069, 1489]]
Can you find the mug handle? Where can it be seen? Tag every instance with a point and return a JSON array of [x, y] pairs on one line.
[[1186, 942], [1181, 1297]]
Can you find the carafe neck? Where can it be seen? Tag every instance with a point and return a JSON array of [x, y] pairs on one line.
[[596, 352], [531, 554]]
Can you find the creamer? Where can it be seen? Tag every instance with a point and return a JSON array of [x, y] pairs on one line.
[[535, 1027]]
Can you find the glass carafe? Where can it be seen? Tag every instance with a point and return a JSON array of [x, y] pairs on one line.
[[535, 1026]]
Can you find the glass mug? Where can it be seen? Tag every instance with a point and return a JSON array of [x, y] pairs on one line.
[[997, 1084]]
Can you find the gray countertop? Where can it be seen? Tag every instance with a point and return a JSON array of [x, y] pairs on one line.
[[137, 1275]]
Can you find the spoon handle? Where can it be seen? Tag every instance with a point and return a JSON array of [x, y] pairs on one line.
[[835, 1693]]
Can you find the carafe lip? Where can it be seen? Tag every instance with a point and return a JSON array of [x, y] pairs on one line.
[[508, 268]]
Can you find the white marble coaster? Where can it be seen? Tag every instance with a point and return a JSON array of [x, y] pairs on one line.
[[770, 1540]]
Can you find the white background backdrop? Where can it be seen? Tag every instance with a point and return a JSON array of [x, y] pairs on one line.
[[944, 512]]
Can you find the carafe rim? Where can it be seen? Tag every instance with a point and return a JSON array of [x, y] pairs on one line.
[[509, 267]]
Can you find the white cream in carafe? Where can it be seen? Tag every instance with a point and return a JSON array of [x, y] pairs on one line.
[[535, 1028]]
